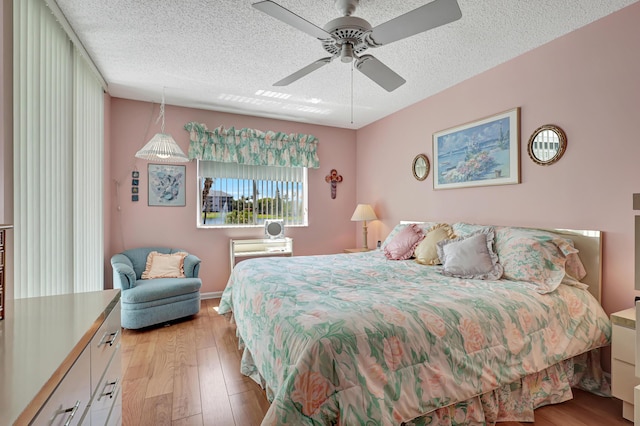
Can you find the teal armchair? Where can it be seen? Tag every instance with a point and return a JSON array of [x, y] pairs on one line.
[[147, 302]]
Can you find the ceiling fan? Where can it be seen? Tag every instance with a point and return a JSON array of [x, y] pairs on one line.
[[349, 36]]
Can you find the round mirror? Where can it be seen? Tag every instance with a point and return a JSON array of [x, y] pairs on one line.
[[547, 144], [421, 167]]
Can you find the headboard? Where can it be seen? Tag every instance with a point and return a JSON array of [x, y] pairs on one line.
[[589, 244]]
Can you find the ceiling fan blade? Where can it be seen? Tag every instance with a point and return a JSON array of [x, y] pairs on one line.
[[304, 71], [431, 15], [285, 15], [379, 73]]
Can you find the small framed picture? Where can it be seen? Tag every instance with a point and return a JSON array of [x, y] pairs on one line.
[[166, 185], [135, 182], [135, 174], [134, 197], [134, 189]]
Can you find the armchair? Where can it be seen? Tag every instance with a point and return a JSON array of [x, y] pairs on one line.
[[147, 302]]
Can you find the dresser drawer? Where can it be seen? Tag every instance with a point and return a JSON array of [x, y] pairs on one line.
[[623, 344], [107, 403], [69, 401], [624, 380], [103, 346]]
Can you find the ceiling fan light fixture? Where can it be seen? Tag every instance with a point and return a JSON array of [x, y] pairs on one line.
[[346, 53]]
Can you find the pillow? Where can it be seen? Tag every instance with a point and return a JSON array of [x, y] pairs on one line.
[[471, 256], [161, 265], [462, 229], [403, 244], [574, 267], [570, 281], [427, 252], [399, 227], [536, 256]]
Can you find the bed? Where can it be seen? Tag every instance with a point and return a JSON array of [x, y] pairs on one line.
[[361, 339]]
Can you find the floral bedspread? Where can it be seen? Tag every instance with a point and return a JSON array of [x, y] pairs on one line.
[[355, 339]]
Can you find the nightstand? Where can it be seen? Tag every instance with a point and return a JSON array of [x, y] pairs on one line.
[[623, 359], [357, 250]]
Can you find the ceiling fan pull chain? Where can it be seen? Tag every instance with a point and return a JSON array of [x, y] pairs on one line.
[[351, 95]]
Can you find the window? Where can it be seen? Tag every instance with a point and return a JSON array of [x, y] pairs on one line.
[[233, 195]]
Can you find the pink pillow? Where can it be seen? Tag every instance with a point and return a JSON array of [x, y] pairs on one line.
[[404, 243]]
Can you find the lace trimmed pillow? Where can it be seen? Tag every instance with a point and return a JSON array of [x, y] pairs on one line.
[[403, 244], [471, 256], [426, 252], [160, 265], [424, 226]]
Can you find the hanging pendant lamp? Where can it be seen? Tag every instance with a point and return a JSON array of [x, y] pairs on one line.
[[162, 147]]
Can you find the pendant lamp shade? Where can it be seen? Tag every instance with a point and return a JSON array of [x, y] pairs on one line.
[[162, 147]]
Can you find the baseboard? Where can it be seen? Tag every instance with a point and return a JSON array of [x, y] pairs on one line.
[[211, 295]]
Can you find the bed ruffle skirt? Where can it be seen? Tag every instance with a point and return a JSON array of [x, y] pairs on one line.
[[516, 401], [513, 402]]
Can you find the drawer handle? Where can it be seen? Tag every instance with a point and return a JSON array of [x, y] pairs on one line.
[[71, 410], [111, 393], [112, 338]]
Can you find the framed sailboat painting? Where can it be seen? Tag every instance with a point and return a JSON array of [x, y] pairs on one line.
[[481, 153]]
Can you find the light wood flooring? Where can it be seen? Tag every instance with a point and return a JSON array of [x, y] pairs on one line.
[[188, 373]]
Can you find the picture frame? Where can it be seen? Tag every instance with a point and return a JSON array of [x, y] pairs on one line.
[[167, 185], [479, 153]]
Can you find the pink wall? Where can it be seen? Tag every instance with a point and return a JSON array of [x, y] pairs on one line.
[[586, 82], [134, 224]]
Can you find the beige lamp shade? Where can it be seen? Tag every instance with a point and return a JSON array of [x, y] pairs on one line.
[[363, 213]]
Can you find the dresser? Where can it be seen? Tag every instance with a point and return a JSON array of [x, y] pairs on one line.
[[61, 362], [623, 359]]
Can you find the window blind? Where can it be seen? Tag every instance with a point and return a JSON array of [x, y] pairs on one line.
[[88, 178], [242, 171], [58, 140], [238, 194]]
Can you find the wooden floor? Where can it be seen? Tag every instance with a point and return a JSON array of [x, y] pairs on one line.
[[188, 373]]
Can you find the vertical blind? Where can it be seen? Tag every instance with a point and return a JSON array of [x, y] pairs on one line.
[[255, 192], [58, 143], [88, 181]]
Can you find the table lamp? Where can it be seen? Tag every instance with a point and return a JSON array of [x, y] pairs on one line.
[[363, 213]]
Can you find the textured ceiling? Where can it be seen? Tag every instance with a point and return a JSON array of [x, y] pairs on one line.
[[225, 55]]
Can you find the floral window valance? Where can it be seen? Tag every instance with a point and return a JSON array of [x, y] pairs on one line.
[[252, 147]]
